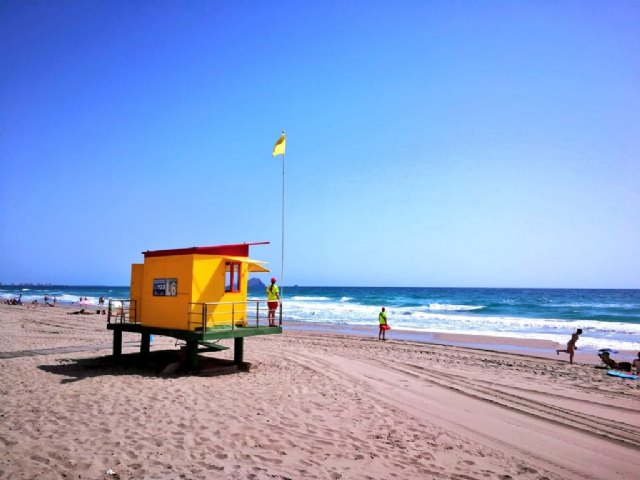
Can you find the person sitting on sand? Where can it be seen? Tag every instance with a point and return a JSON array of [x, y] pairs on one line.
[[609, 362], [636, 364], [571, 345], [79, 312]]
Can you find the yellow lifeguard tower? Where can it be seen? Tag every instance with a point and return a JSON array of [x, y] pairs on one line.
[[196, 294]]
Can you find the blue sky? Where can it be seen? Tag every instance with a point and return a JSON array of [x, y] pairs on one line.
[[444, 143]]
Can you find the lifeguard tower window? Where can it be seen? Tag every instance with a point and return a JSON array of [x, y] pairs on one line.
[[232, 277]]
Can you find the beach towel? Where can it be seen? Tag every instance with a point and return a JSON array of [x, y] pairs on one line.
[[615, 373]]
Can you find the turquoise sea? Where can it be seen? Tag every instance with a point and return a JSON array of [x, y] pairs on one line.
[[609, 318]]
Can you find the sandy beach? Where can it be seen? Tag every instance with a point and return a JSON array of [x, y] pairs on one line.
[[314, 404]]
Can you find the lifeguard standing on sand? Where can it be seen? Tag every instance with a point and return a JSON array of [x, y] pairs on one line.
[[382, 318], [273, 299]]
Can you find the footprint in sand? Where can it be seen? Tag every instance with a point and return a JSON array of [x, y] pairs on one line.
[[524, 469], [39, 459], [275, 461]]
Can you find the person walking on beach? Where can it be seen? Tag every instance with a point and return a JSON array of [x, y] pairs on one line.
[[273, 299], [571, 345], [382, 319]]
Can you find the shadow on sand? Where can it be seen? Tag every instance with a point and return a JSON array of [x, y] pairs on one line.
[[160, 363]]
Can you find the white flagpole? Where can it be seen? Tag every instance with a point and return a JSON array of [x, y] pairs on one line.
[[282, 255], [282, 241]]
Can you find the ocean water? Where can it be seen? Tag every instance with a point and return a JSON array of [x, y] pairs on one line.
[[609, 318]]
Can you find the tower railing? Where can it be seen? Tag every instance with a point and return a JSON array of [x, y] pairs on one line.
[[122, 310], [206, 316]]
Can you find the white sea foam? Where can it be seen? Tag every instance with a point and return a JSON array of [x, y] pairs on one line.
[[417, 316], [628, 306], [458, 308], [598, 334], [585, 342], [303, 298], [69, 298], [524, 324]]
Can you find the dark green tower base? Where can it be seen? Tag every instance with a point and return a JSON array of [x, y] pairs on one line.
[[194, 339]]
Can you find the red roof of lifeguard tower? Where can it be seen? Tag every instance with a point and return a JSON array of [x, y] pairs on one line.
[[236, 250]]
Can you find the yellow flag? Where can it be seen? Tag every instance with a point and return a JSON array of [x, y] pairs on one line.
[[280, 146]]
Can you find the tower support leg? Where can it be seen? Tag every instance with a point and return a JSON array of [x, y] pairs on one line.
[[192, 354], [238, 350], [117, 344], [145, 342]]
